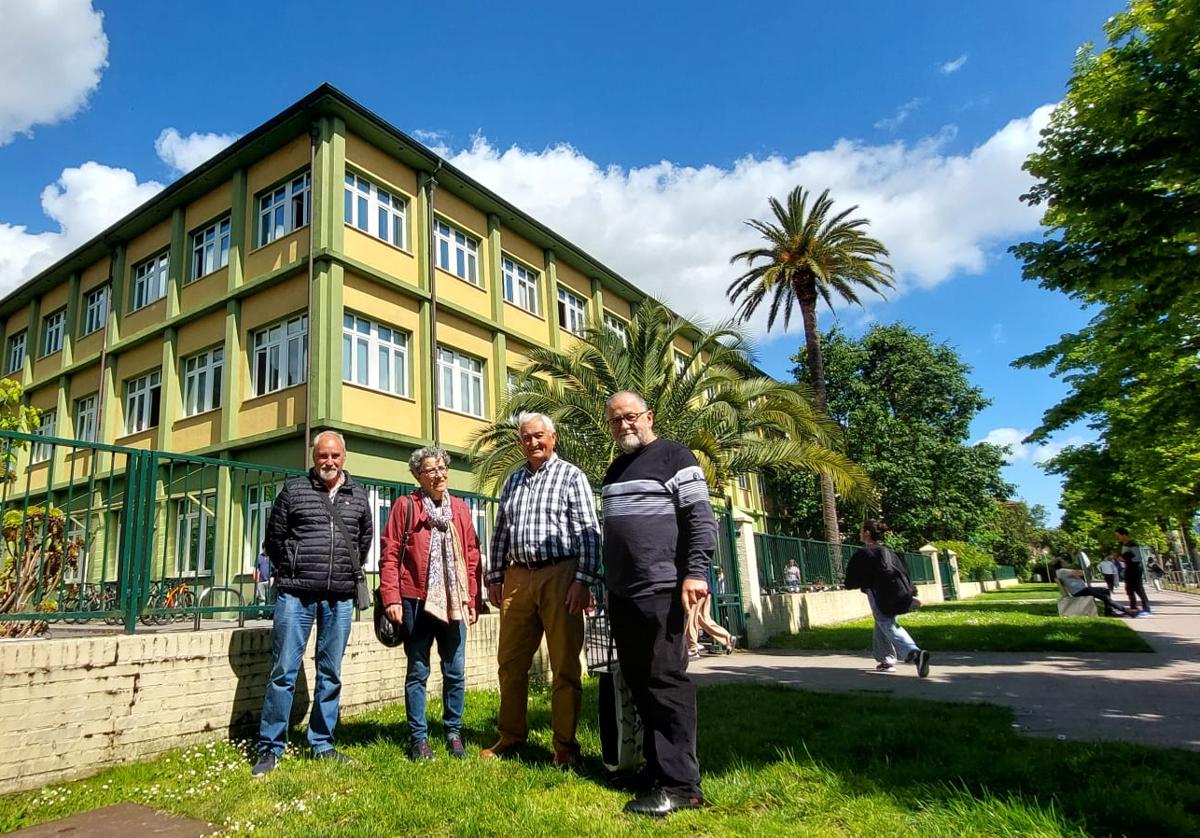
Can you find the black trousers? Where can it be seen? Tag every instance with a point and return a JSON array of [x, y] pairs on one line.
[[651, 640], [1103, 595], [1133, 585], [1110, 579]]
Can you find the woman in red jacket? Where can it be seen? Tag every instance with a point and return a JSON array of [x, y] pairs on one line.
[[429, 582]]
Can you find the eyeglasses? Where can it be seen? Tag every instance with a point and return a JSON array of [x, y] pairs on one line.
[[615, 422], [435, 471]]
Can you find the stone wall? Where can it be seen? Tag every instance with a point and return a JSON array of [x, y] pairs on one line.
[[71, 706]]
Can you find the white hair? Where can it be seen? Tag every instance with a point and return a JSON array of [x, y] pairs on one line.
[[525, 418], [429, 452], [328, 432], [632, 394]]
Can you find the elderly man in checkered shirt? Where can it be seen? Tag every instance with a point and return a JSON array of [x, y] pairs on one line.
[[545, 553]]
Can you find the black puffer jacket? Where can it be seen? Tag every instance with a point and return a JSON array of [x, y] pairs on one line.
[[308, 552]]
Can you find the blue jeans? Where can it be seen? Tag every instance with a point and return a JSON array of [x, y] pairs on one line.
[[294, 618], [452, 649], [891, 641]]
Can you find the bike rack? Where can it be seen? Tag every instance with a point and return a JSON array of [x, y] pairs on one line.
[[204, 595]]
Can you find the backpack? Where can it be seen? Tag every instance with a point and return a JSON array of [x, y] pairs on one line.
[[893, 589]]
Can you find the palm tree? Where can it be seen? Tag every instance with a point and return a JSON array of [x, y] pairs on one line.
[[811, 253], [712, 400]]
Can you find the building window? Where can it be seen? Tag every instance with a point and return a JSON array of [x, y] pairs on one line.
[[53, 327], [202, 381], [143, 397], [376, 211], [572, 312], [461, 384], [259, 499], [281, 355], [16, 352], [46, 427], [149, 281], [85, 419], [284, 209], [457, 253], [483, 526], [681, 363], [95, 309], [512, 381], [210, 248], [617, 326], [743, 481], [520, 285], [374, 355], [196, 535]]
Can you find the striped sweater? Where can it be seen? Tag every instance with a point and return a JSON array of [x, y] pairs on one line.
[[659, 526]]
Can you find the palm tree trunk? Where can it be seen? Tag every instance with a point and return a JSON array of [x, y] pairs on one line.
[[816, 372]]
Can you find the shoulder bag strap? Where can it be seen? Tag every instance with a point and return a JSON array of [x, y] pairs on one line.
[[341, 525]]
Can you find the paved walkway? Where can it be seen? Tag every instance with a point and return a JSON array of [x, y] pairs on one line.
[[1146, 698]]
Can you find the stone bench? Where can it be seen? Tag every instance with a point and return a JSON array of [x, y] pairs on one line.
[[1076, 606]]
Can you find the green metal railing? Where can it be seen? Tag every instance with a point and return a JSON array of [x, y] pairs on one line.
[[819, 564]]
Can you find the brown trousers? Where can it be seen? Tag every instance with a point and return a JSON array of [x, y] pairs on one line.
[[535, 601]]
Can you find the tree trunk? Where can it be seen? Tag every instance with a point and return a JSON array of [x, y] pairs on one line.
[[816, 374]]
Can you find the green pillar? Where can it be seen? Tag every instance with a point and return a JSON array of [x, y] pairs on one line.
[[176, 269], [425, 352], [171, 401], [65, 426], [116, 296], [233, 371], [495, 289], [551, 297], [33, 341], [423, 231], [598, 302], [70, 327], [227, 555], [325, 341], [500, 365], [237, 233], [107, 429]]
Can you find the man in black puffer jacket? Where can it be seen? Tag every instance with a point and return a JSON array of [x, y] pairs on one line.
[[315, 564]]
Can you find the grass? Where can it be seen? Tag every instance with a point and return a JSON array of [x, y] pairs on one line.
[[1019, 619], [796, 764]]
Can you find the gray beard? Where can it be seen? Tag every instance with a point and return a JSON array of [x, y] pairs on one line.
[[630, 443]]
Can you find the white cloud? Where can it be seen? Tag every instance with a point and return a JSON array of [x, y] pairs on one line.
[[52, 53], [83, 201], [183, 154], [1018, 451], [998, 333], [891, 123], [954, 65], [671, 229]]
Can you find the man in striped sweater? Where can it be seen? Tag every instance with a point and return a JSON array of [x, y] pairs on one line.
[[659, 539]]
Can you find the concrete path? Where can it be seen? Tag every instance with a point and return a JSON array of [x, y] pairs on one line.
[[1146, 698]]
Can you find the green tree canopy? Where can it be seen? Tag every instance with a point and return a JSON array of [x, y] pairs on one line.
[[1118, 173], [905, 405], [712, 400]]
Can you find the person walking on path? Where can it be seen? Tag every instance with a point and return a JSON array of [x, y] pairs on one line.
[[544, 556], [1108, 569], [429, 582], [1135, 564], [660, 535], [318, 536], [877, 571], [1076, 585]]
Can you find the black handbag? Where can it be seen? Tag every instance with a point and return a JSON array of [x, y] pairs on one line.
[[388, 633]]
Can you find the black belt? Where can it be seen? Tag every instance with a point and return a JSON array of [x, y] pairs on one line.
[[540, 563]]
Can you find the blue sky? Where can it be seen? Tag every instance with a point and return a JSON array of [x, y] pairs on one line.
[[646, 133]]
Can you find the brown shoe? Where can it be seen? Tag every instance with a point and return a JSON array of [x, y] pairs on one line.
[[500, 750], [565, 758]]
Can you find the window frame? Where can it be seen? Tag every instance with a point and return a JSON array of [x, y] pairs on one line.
[[357, 202], [466, 252], [219, 244], [148, 410], [194, 509], [159, 264], [95, 306], [56, 329], [208, 370], [373, 344], [512, 281], [86, 416], [13, 345], [617, 326], [258, 509], [457, 371], [41, 452], [283, 197], [286, 342], [572, 307]]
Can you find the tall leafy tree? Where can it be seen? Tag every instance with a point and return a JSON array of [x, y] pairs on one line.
[[906, 405], [811, 254], [713, 400], [1118, 173]]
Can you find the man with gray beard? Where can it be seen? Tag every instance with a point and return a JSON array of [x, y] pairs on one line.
[[659, 539]]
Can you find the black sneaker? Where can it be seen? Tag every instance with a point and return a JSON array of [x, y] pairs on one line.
[[455, 746], [922, 664], [420, 751], [333, 755], [265, 765]]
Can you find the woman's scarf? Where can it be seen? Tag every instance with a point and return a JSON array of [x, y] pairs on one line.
[[446, 578]]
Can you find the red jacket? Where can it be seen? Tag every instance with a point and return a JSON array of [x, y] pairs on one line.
[[404, 576]]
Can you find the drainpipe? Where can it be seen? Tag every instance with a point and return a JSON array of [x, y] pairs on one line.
[[434, 425], [314, 137]]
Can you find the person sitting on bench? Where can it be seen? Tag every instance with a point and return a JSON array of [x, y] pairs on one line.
[[1074, 584]]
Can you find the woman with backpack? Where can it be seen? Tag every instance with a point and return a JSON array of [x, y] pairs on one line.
[[879, 573]]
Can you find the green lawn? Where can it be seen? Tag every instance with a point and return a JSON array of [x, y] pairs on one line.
[[1019, 619], [776, 761]]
